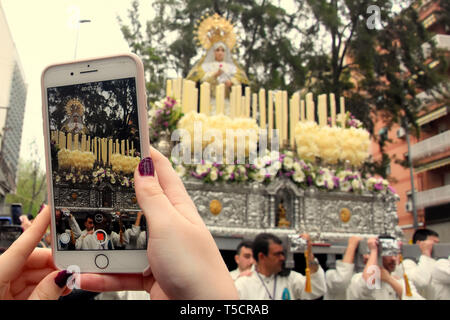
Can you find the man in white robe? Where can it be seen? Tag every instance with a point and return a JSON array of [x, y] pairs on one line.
[[440, 280], [244, 260], [377, 282], [268, 282], [338, 279]]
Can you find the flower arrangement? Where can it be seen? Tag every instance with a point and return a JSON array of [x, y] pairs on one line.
[[273, 164], [220, 124], [349, 121], [163, 115], [80, 160], [124, 164], [331, 144]]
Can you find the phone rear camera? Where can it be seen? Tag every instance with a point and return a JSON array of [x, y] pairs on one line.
[[71, 73], [89, 65]]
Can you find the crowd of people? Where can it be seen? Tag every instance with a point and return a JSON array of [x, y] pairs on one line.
[[185, 262]]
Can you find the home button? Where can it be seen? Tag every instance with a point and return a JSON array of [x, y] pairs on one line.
[[101, 261]]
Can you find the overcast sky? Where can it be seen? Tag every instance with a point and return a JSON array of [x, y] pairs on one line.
[[45, 33]]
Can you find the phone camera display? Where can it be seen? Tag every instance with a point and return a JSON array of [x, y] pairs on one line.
[[95, 148]]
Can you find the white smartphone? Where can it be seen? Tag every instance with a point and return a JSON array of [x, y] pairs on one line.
[[96, 132]]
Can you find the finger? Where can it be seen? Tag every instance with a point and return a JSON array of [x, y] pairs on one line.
[[40, 258], [115, 282], [13, 260], [151, 198], [173, 187], [51, 287], [29, 278]]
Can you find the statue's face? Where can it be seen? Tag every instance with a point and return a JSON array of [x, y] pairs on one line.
[[219, 53]]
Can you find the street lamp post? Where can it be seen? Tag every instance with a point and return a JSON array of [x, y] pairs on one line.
[[78, 31], [411, 173]]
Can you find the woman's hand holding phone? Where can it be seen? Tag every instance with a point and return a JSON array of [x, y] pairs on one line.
[[184, 259], [27, 272]]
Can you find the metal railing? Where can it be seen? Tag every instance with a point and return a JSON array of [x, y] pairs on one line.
[[431, 146]]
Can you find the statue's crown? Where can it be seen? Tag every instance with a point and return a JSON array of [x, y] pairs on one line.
[[213, 29], [74, 106]]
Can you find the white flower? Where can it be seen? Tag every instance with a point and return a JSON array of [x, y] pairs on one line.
[[213, 175], [259, 176], [259, 163], [330, 183], [345, 186], [320, 181], [297, 166], [277, 165], [202, 168], [299, 176], [272, 170], [356, 185], [288, 163], [274, 155], [289, 154], [180, 170]]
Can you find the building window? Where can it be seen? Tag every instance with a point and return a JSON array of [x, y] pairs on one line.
[[429, 21]]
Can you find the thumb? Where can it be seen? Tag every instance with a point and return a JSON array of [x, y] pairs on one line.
[[151, 197], [51, 287]]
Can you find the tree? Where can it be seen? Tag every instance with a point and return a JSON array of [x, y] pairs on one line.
[[322, 46], [31, 187]]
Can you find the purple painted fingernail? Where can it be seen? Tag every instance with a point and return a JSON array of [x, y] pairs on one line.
[[146, 167], [40, 209], [61, 278]]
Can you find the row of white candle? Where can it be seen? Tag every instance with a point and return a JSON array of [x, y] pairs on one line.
[[102, 148], [295, 109]]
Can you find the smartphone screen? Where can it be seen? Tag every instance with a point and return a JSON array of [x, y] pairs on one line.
[[95, 147]]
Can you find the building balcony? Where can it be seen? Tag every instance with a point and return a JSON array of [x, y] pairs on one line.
[[442, 42], [437, 144], [433, 197]]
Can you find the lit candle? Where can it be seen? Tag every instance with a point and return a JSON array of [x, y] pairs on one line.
[[205, 90], [89, 144], [247, 102], [75, 142], [233, 102], [270, 107], [254, 106], [185, 97], [302, 110], [169, 91], [122, 147], [128, 148], [322, 108], [62, 140], [342, 111], [117, 146], [238, 101], [110, 146], [220, 98], [310, 109], [69, 141], [278, 115], [295, 105], [284, 115], [262, 108], [194, 102], [333, 109]]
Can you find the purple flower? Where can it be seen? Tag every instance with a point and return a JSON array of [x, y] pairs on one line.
[[232, 176], [220, 173], [166, 124], [321, 171], [392, 190], [158, 111], [268, 163], [336, 182], [378, 186], [267, 175], [310, 180], [247, 166]]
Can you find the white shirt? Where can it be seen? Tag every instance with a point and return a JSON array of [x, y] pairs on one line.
[[291, 287], [440, 279], [359, 290], [236, 272], [419, 274], [338, 280]]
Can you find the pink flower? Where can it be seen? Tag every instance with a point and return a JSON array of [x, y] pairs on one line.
[[220, 65]]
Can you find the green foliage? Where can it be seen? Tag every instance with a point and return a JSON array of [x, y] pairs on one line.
[[31, 187], [319, 46]]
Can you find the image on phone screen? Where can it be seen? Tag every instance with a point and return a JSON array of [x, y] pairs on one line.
[[95, 148]]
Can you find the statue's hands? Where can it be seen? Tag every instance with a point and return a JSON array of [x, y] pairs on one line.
[[228, 83]]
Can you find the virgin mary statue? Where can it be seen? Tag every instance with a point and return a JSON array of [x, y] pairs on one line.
[[217, 66]]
